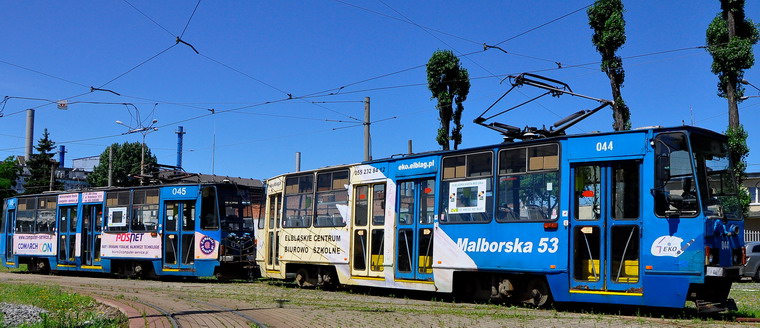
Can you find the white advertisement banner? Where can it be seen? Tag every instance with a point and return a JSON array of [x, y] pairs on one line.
[[37, 244], [206, 247], [68, 199], [467, 197], [93, 197], [123, 245]]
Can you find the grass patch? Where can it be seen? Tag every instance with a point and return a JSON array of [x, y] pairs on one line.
[[21, 268], [65, 309]]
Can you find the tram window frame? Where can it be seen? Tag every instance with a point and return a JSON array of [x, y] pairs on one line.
[[46, 205], [332, 190], [144, 201], [662, 178], [26, 207], [536, 164], [627, 207], [118, 201], [209, 212], [298, 188], [238, 208], [462, 168]]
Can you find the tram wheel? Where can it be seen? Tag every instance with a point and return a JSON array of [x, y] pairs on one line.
[[537, 293]]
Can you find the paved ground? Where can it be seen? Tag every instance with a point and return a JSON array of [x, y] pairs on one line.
[[211, 304]]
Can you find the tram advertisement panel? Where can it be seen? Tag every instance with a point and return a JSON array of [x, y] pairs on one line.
[[319, 245], [128, 245], [206, 247], [37, 244]]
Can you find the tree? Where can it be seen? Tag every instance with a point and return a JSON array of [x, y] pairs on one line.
[[40, 166], [449, 83], [730, 37], [126, 165], [9, 173], [605, 17]]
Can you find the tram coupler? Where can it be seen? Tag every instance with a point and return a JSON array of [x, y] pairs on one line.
[[713, 307]]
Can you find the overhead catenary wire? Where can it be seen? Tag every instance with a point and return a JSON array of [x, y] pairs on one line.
[[405, 21], [189, 19], [149, 18]]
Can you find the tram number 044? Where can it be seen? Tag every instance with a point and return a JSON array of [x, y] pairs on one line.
[[604, 146], [179, 191]]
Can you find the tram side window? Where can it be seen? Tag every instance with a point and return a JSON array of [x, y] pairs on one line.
[[528, 184], [118, 205], [466, 189], [675, 190], [145, 210], [332, 199], [378, 204], [209, 216], [26, 211], [299, 201], [46, 215], [626, 190]]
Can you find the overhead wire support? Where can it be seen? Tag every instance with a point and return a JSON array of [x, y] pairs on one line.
[[552, 87], [187, 44], [93, 89]]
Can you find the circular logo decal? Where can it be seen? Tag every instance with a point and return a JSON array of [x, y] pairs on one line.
[[207, 245]]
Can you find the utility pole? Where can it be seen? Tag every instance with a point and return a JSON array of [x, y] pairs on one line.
[[367, 138], [110, 166], [52, 175]]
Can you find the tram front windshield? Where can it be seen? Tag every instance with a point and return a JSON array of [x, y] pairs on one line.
[[236, 206], [715, 177]]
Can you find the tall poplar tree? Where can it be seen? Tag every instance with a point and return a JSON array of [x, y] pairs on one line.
[[605, 17], [449, 83], [730, 37]]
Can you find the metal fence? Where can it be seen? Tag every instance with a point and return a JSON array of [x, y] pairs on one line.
[[750, 235]]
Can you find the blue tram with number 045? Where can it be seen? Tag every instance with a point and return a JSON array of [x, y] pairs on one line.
[[643, 217], [199, 230]]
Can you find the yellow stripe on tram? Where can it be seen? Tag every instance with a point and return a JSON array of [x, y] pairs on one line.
[[66, 266], [415, 281], [368, 278], [171, 270], [92, 267], [599, 292]]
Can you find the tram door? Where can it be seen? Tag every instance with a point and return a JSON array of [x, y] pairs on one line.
[[67, 233], [272, 256], [92, 225], [367, 230], [606, 226], [179, 235], [414, 229], [10, 226]]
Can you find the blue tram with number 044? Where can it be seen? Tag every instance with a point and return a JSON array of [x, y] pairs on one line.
[[644, 217], [199, 230]]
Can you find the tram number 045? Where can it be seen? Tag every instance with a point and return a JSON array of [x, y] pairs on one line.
[[179, 191], [604, 146]]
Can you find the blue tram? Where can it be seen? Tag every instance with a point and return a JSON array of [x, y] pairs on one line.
[[644, 217], [195, 230]]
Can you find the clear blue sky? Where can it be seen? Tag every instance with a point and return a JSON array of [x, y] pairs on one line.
[[277, 48]]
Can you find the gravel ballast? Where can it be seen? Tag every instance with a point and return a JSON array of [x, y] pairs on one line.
[[18, 314]]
